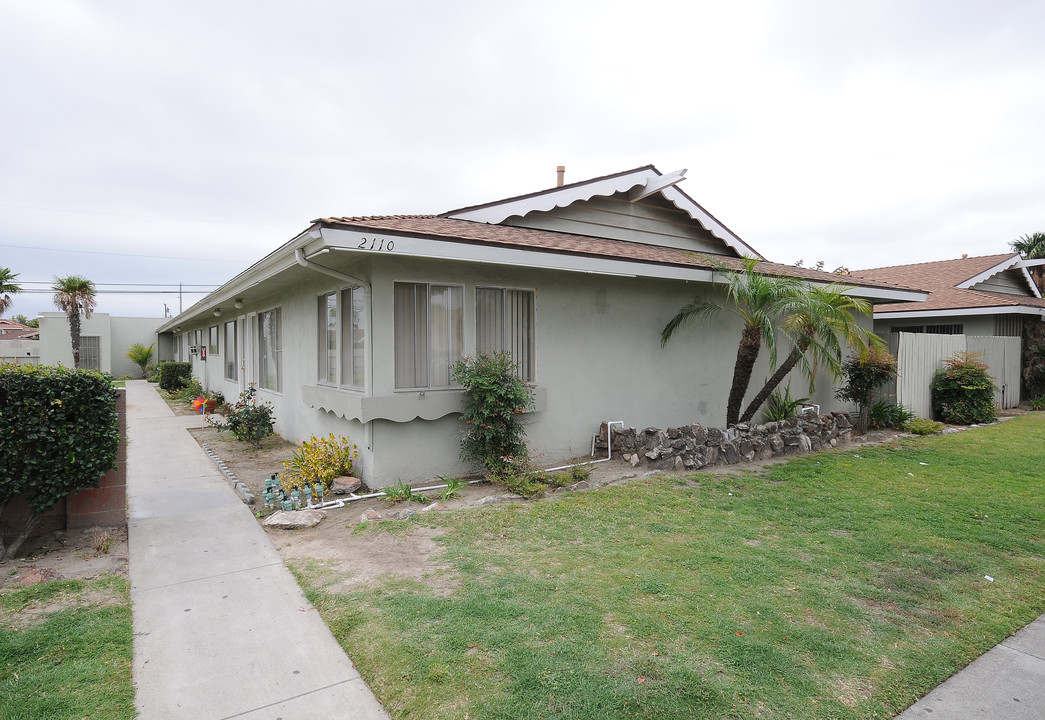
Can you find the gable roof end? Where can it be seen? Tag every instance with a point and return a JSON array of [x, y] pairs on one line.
[[639, 183]]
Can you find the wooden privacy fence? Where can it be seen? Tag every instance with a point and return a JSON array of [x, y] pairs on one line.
[[920, 355]]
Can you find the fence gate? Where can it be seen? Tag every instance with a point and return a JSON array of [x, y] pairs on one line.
[[920, 355]]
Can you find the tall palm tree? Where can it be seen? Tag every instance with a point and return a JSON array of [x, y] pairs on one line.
[[760, 300], [1032, 247], [820, 322], [7, 287], [73, 295]]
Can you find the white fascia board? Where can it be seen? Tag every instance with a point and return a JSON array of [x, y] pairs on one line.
[[989, 273], [1030, 263], [877, 293], [561, 197], [496, 214], [375, 243], [1000, 310], [275, 262]]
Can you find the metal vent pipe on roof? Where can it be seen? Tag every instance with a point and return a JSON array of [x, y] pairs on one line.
[[560, 173]]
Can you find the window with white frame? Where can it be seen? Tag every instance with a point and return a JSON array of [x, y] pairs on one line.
[[212, 340], [230, 350], [342, 338], [429, 338], [504, 322], [90, 352], [270, 350]]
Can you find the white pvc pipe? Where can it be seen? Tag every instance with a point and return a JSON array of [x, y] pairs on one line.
[[609, 450]]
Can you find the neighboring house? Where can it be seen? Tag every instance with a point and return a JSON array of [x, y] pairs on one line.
[[19, 344], [972, 299], [104, 340], [352, 326]]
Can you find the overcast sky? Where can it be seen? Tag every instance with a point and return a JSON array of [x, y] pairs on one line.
[[167, 142]]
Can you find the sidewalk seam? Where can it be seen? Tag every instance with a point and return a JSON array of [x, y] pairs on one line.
[[288, 699], [208, 577]]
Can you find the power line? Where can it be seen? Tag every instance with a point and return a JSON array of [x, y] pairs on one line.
[[145, 217], [116, 254]]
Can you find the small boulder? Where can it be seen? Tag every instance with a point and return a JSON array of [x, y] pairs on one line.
[[294, 519], [371, 515], [434, 506], [404, 514], [345, 484], [488, 500]]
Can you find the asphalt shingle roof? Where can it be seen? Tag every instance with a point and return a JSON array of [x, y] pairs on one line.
[[940, 278]]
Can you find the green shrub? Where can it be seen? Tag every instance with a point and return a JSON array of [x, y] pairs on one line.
[[320, 460], [191, 390], [865, 373], [963, 392], [781, 406], [1038, 403], [921, 426], [247, 420], [58, 433], [886, 414], [496, 398], [174, 375]]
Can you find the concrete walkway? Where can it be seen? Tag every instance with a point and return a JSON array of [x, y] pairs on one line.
[[1007, 682], [221, 629]]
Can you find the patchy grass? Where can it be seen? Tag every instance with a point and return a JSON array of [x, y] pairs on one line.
[[65, 650], [841, 585]]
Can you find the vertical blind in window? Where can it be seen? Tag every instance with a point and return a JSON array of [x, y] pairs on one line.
[[504, 323], [429, 337], [230, 350], [328, 326], [270, 350], [353, 337]]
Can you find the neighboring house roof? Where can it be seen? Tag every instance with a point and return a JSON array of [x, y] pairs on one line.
[[989, 284], [11, 330]]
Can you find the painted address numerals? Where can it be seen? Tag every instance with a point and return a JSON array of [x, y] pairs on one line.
[[377, 244]]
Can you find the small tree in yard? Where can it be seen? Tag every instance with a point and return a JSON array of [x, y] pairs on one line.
[[247, 420], [496, 399], [58, 434], [140, 355], [865, 373], [963, 392]]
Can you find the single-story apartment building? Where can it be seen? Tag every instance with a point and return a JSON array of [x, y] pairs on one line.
[[353, 325]]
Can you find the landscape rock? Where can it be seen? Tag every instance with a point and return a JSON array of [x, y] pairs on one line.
[[488, 500], [345, 485], [434, 506], [404, 514], [294, 519], [371, 515]]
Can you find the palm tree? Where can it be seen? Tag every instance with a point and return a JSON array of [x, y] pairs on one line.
[[141, 355], [819, 320], [759, 300], [1032, 247], [73, 295], [7, 286]]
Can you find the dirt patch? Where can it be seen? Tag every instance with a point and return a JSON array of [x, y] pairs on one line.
[[36, 611], [74, 555]]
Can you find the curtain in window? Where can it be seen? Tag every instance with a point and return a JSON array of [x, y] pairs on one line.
[[411, 335]]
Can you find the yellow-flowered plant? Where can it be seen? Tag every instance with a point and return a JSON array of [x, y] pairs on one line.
[[319, 460]]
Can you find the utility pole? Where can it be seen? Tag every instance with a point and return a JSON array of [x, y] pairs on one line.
[[179, 298]]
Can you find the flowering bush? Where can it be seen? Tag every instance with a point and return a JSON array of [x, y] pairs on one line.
[[963, 392], [319, 460]]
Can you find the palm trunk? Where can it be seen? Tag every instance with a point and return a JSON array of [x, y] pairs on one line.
[[74, 334], [747, 354], [774, 381]]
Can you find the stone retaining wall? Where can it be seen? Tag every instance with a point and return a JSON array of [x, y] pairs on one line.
[[691, 447]]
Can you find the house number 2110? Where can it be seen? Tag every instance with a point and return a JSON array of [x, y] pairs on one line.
[[378, 244]]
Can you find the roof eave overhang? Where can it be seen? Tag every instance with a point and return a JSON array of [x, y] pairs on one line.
[[1014, 262], [274, 263], [955, 312]]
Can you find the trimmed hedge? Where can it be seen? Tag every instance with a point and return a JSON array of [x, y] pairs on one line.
[[174, 375], [59, 433], [963, 391]]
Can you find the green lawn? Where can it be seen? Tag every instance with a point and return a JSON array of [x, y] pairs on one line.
[[65, 651], [839, 585]]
